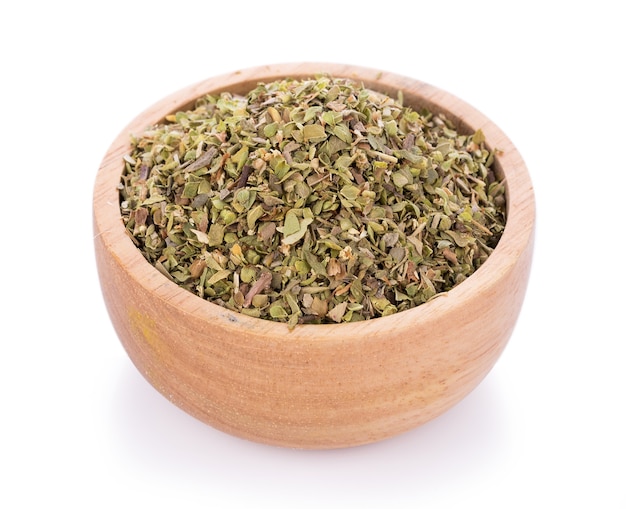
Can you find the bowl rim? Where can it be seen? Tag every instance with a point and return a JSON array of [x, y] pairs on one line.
[[517, 236]]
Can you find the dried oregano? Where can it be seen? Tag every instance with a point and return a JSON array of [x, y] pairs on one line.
[[312, 201]]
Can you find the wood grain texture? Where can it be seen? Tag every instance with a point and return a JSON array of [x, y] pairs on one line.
[[318, 386]]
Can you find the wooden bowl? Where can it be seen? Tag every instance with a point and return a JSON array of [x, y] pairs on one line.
[[318, 386]]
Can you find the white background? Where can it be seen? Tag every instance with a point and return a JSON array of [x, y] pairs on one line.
[[81, 427]]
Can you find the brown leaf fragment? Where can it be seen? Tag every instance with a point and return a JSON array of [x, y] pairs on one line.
[[141, 214], [243, 178], [449, 255], [319, 306], [204, 160], [197, 267]]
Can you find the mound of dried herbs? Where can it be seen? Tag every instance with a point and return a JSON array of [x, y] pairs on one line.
[[312, 201]]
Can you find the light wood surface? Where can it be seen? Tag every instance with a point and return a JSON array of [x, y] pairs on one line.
[[318, 386]]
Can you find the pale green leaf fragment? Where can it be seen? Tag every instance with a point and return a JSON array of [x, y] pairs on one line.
[[201, 236], [277, 311], [218, 276], [314, 133], [344, 161], [156, 198], [179, 276], [293, 303], [256, 313], [247, 274], [389, 310], [331, 244], [311, 113], [215, 235], [190, 190], [328, 117], [466, 216], [246, 197], [228, 216], [461, 239], [413, 156], [293, 320], [315, 264], [212, 263], [296, 236], [333, 93], [399, 179], [334, 145], [281, 167], [391, 127], [342, 131], [380, 303], [240, 157], [291, 224], [444, 147], [350, 192], [479, 137], [270, 129], [254, 214]]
